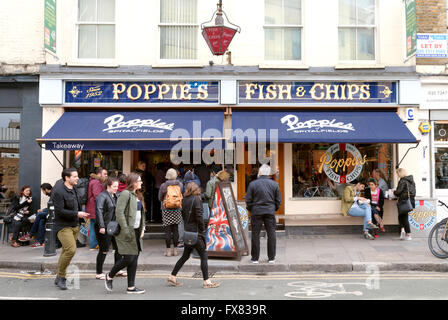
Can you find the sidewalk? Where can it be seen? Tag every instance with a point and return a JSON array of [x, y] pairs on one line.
[[320, 253]]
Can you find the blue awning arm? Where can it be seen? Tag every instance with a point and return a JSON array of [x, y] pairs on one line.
[[398, 165]]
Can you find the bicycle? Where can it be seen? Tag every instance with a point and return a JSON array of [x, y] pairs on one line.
[[438, 238]]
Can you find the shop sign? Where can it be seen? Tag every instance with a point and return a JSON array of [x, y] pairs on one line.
[[424, 127], [315, 126], [431, 45], [410, 114], [423, 216], [184, 92], [116, 124], [317, 92], [330, 165]]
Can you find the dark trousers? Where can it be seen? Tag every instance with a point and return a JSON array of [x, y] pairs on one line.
[[104, 241], [173, 230], [269, 224], [403, 220], [157, 210], [128, 261], [18, 226], [200, 248], [39, 226]]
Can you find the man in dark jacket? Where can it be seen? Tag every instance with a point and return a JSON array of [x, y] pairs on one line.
[[67, 215], [263, 198]]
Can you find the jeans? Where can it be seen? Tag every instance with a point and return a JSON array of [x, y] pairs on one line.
[[104, 241], [362, 210], [269, 224], [39, 226], [92, 237], [200, 248], [403, 220]]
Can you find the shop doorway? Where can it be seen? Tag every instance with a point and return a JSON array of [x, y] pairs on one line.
[[248, 171]]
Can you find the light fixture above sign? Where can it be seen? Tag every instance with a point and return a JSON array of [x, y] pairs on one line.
[[218, 36]]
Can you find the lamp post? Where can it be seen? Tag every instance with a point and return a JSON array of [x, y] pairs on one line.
[[219, 36]]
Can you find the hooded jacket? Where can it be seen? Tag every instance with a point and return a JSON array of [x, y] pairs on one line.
[[211, 186], [405, 184]]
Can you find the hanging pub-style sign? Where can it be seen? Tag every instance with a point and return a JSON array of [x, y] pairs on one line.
[[218, 36]]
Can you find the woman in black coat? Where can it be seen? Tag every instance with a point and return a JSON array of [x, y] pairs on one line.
[[405, 189], [193, 221], [376, 197], [105, 213]]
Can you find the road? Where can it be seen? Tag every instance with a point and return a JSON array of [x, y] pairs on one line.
[[308, 286]]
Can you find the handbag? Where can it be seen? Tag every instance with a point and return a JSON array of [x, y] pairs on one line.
[[405, 206], [113, 228], [190, 237]]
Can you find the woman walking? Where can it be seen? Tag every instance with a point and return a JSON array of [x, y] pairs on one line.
[[405, 190], [105, 213], [21, 206], [129, 241], [170, 196], [193, 220]]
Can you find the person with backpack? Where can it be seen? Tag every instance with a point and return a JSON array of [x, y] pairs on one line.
[[170, 196], [405, 190]]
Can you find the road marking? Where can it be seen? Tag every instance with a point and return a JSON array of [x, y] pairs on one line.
[[27, 298], [319, 290]]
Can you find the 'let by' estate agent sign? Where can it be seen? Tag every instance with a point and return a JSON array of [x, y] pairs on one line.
[[431, 45], [184, 92], [317, 92]]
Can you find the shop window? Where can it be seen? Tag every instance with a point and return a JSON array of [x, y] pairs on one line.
[[96, 29], [440, 132], [9, 158], [323, 170], [87, 161], [283, 30], [441, 167], [178, 29], [356, 30]]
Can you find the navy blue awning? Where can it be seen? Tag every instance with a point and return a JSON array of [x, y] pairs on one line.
[[320, 126], [134, 130]]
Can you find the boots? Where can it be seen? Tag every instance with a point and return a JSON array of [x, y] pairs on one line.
[[168, 252], [175, 251]]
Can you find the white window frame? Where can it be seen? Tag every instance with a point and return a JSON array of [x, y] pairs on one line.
[[94, 23], [176, 62], [356, 27], [283, 26]]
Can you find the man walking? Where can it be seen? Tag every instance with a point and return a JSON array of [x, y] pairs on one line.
[[67, 215], [263, 198]]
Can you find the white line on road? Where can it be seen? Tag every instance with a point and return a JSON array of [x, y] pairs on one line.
[[27, 298]]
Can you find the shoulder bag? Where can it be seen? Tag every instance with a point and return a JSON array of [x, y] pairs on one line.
[[113, 227], [405, 205], [190, 238]]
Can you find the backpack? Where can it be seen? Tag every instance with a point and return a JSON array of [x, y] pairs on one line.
[[82, 190], [173, 197]]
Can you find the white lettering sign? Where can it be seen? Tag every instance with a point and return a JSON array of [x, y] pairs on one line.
[[115, 123], [293, 123]]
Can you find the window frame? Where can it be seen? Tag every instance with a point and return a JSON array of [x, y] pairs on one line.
[[95, 23], [161, 24], [356, 27], [284, 26]]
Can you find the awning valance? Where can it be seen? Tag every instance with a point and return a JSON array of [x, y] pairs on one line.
[[320, 127], [133, 130]]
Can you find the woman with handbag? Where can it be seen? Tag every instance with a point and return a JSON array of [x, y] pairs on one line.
[[194, 236], [130, 216], [405, 193], [21, 208], [106, 203]]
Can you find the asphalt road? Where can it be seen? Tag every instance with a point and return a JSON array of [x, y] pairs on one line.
[[16, 285]]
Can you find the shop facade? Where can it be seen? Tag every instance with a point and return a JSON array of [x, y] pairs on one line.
[[317, 132]]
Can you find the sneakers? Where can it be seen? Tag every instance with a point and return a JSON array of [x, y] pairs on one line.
[[271, 261], [108, 283], [254, 261], [371, 226], [402, 235], [62, 284], [93, 249], [368, 236], [407, 238], [135, 291], [37, 245], [15, 244], [121, 273], [211, 285], [25, 238], [100, 276]]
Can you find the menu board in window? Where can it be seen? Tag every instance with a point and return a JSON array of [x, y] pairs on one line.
[[225, 236]]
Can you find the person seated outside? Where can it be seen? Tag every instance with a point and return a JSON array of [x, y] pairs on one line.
[[21, 208], [376, 197], [37, 231], [356, 206]]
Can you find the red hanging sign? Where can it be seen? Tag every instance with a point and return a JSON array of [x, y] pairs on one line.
[[218, 38]]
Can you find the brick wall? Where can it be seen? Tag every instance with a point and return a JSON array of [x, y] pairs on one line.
[[431, 18]]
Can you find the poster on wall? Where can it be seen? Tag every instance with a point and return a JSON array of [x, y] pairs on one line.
[[411, 28], [50, 26], [431, 45], [225, 236]]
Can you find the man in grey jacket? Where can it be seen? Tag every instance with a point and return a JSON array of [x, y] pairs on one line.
[[263, 198]]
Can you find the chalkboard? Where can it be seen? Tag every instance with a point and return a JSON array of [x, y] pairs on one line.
[[225, 235]]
